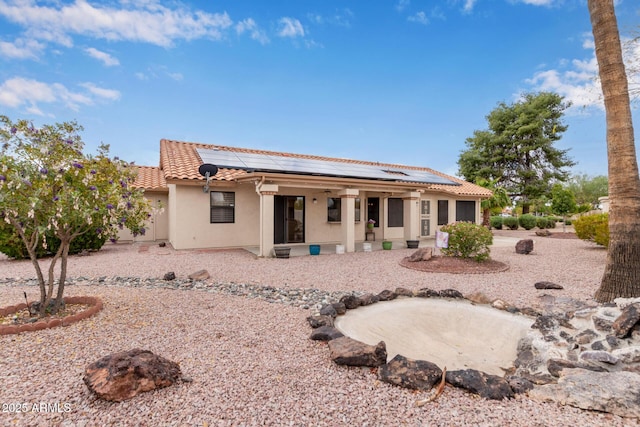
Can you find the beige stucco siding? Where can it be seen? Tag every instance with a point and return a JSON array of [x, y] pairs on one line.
[[192, 221], [157, 227]]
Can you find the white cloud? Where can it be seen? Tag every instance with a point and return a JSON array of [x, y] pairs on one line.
[[420, 18], [21, 49], [28, 93], [290, 27], [103, 57], [176, 76], [468, 5], [341, 18], [250, 26], [538, 2], [108, 94], [402, 5], [141, 21], [578, 81]]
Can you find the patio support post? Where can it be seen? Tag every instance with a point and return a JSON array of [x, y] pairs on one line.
[[411, 215], [267, 191], [348, 218]]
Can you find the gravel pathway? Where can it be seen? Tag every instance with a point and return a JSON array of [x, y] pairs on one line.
[[243, 339]]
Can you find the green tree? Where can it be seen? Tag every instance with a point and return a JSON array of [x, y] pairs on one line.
[[47, 185], [621, 276], [499, 199], [563, 202], [587, 189], [517, 150]]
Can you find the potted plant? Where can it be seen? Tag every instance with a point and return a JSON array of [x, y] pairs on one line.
[[386, 245], [370, 224]]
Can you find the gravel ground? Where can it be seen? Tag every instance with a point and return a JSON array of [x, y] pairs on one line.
[[251, 360]]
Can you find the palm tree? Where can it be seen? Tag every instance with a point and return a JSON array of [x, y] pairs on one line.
[[499, 199], [622, 272]]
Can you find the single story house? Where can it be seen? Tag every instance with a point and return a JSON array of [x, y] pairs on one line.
[[265, 199]]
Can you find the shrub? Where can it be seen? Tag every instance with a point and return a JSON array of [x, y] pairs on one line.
[[527, 221], [468, 240], [568, 222], [496, 222], [542, 222], [511, 222], [594, 228], [12, 246]]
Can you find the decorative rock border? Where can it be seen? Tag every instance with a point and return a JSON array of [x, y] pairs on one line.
[[94, 303], [573, 352]]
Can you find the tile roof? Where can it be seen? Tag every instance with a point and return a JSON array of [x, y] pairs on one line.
[[150, 178], [180, 161]]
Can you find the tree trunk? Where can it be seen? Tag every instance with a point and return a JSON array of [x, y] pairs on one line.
[[622, 271], [486, 217]]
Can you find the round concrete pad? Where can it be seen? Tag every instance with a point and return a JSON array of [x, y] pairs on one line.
[[451, 333]]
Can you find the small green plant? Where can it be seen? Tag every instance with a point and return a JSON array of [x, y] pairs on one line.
[[496, 222], [594, 228], [568, 222], [468, 240], [527, 221], [542, 222], [511, 222]]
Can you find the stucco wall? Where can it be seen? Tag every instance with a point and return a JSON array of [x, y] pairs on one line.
[[157, 227]]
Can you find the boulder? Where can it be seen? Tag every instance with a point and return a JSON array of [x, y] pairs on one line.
[[557, 366], [486, 385], [614, 392], [328, 310], [524, 246], [121, 376], [340, 307], [451, 293], [627, 320], [387, 295], [347, 351], [422, 254], [599, 356], [518, 384], [351, 301], [325, 333], [169, 276], [543, 233], [404, 292], [547, 285], [199, 275], [368, 299], [427, 293], [410, 373], [317, 321]]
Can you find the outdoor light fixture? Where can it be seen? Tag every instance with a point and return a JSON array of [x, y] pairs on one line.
[[207, 170], [315, 200]]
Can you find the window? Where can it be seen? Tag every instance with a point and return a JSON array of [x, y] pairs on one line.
[[443, 212], [466, 210], [334, 209], [223, 206], [395, 214]]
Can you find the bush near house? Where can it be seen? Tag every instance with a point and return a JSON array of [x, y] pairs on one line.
[[468, 240], [594, 228], [12, 245], [527, 221], [496, 222], [511, 222]]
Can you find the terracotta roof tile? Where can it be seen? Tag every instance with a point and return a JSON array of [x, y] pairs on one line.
[[150, 178], [180, 161]]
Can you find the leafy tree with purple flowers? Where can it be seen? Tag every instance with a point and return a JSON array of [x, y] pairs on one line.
[[48, 186]]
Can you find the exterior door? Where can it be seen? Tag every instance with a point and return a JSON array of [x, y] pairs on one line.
[[288, 219], [425, 218]]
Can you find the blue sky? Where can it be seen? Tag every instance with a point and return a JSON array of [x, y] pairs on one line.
[[402, 81]]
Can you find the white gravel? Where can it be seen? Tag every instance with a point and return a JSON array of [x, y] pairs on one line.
[[250, 360]]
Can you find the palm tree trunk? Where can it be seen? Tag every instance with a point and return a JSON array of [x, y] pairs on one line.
[[622, 272]]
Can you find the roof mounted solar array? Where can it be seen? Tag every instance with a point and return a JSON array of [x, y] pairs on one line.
[[272, 163]]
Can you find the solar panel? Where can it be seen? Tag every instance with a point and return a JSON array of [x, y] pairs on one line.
[[283, 164]]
